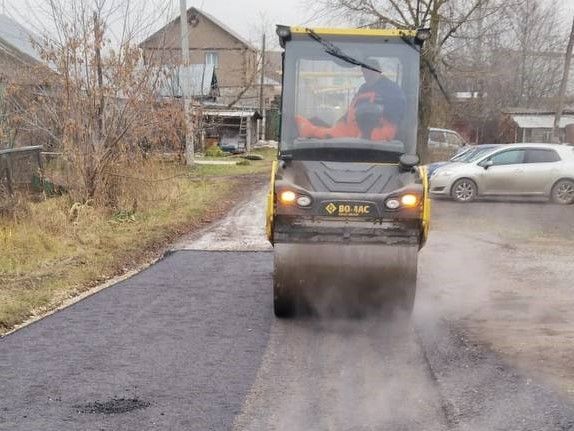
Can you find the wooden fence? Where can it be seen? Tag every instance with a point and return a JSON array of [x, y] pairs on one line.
[[18, 167]]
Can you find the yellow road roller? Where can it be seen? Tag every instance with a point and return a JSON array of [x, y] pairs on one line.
[[348, 207]]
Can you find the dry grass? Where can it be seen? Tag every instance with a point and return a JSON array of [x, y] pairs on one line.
[[55, 249]]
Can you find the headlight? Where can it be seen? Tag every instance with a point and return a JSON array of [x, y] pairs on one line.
[[409, 200], [423, 34], [287, 197], [283, 31], [393, 204], [304, 201]]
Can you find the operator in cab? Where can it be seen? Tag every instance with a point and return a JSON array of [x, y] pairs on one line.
[[375, 112]]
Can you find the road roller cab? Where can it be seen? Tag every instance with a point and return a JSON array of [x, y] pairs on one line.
[[348, 205]]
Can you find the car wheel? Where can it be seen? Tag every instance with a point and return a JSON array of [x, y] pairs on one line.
[[563, 192], [464, 190]]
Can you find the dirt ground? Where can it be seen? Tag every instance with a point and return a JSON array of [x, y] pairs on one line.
[[512, 282]]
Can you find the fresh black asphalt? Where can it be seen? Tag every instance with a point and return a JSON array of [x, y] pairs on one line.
[[179, 345]]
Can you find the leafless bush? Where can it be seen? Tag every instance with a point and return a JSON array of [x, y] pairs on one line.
[[502, 52], [97, 101]]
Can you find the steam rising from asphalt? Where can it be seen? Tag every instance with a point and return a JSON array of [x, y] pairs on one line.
[[327, 372], [342, 374], [331, 372]]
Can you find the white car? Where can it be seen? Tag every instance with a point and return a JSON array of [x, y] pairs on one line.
[[545, 170]]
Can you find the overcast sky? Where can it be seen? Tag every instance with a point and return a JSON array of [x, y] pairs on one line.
[[244, 16]]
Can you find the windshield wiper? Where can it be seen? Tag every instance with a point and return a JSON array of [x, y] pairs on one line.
[[337, 52]]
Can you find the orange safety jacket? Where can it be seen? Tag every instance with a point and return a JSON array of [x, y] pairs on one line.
[[384, 93]]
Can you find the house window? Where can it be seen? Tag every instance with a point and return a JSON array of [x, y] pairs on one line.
[[212, 57]]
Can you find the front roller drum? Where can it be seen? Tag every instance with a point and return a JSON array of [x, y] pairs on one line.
[[344, 279]]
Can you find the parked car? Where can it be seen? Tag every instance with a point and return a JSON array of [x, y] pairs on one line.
[[510, 170], [464, 155], [444, 143]]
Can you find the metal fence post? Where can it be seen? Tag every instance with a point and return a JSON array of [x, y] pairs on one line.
[[8, 173]]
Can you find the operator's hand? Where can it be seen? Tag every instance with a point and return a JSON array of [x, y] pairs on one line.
[[305, 127], [302, 124]]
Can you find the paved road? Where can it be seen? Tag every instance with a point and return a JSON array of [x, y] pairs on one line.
[[191, 344]]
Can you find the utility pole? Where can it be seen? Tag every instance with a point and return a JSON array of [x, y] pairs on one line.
[[189, 144], [563, 83], [98, 37], [261, 92]]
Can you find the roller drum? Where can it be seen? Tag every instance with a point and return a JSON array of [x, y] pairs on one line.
[[349, 279]]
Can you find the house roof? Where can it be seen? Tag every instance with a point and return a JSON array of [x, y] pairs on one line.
[[224, 27], [16, 38], [540, 121], [198, 80], [211, 18], [214, 111], [536, 111]]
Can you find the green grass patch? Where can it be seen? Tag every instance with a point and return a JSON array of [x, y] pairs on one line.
[[242, 168]]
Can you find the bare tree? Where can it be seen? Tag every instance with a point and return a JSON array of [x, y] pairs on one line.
[[98, 104], [537, 36], [508, 59], [563, 83], [445, 18]]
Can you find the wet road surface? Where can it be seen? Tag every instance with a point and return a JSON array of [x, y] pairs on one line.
[[191, 344]]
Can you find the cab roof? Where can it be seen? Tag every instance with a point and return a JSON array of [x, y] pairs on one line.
[[356, 32]]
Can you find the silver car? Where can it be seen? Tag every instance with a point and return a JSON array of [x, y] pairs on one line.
[[510, 170]]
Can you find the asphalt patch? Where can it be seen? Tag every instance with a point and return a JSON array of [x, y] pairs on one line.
[[188, 332], [113, 407]]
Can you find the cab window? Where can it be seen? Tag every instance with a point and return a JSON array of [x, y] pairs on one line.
[[510, 157]]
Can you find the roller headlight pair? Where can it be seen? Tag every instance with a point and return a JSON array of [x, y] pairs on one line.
[[289, 197], [405, 201]]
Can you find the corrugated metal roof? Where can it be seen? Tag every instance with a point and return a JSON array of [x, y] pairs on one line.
[[540, 121], [536, 111], [17, 37], [230, 113], [198, 80]]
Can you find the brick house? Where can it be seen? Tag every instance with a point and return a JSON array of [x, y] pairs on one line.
[[17, 54], [21, 68], [236, 62], [533, 125], [210, 42]]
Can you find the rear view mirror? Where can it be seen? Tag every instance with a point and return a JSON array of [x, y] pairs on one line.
[[487, 164], [408, 161]]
